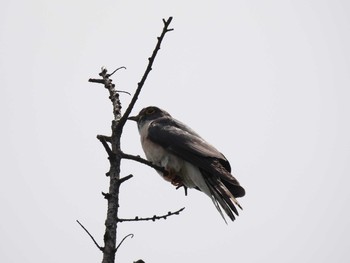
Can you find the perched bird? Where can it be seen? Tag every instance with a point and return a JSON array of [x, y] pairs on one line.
[[188, 159]]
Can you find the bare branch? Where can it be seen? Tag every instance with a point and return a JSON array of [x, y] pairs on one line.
[[153, 218], [147, 71], [143, 161], [106, 195], [103, 140], [112, 147], [93, 239], [113, 94], [119, 182], [122, 180], [112, 196], [121, 242], [150, 164], [108, 75], [123, 91], [100, 81]]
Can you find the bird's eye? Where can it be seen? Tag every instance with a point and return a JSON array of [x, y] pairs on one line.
[[150, 111]]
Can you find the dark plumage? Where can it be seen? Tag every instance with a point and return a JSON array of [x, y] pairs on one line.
[[190, 160]]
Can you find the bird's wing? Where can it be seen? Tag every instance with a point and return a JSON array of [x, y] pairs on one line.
[[180, 140]]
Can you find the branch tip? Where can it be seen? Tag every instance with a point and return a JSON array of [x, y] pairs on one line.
[[123, 119], [121, 242], [101, 81], [108, 75], [122, 180], [106, 195], [122, 91]]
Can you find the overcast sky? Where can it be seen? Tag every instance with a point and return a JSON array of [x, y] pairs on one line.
[[266, 82]]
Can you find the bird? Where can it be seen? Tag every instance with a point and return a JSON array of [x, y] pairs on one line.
[[188, 159]]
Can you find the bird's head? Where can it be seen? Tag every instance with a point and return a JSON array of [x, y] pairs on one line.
[[149, 114]]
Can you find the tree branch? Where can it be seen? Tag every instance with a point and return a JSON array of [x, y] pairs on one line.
[[147, 71], [122, 180], [143, 161], [113, 149], [112, 196], [103, 140], [150, 164], [108, 75], [153, 218], [93, 239], [113, 94], [121, 242]]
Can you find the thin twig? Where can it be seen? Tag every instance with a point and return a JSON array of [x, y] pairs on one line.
[[108, 75], [122, 180], [123, 91], [106, 195], [100, 81], [153, 218], [145, 75], [103, 140], [93, 239], [121, 242]]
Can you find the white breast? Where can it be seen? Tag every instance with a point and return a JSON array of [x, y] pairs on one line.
[[157, 154], [154, 152]]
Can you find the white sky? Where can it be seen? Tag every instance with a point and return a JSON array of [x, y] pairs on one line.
[[266, 82]]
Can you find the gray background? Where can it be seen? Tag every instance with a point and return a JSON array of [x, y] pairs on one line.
[[266, 82]]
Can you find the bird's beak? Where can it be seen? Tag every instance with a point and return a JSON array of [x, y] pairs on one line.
[[134, 118]]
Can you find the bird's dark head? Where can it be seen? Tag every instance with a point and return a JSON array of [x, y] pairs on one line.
[[148, 114]]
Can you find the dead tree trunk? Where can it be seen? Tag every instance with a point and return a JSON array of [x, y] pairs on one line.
[[115, 154]]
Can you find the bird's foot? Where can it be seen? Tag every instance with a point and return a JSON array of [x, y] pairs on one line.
[[185, 188], [177, 181], [173, 178]]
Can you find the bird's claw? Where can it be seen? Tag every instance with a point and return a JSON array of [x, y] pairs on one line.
[[185, 188], [175, 180]]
